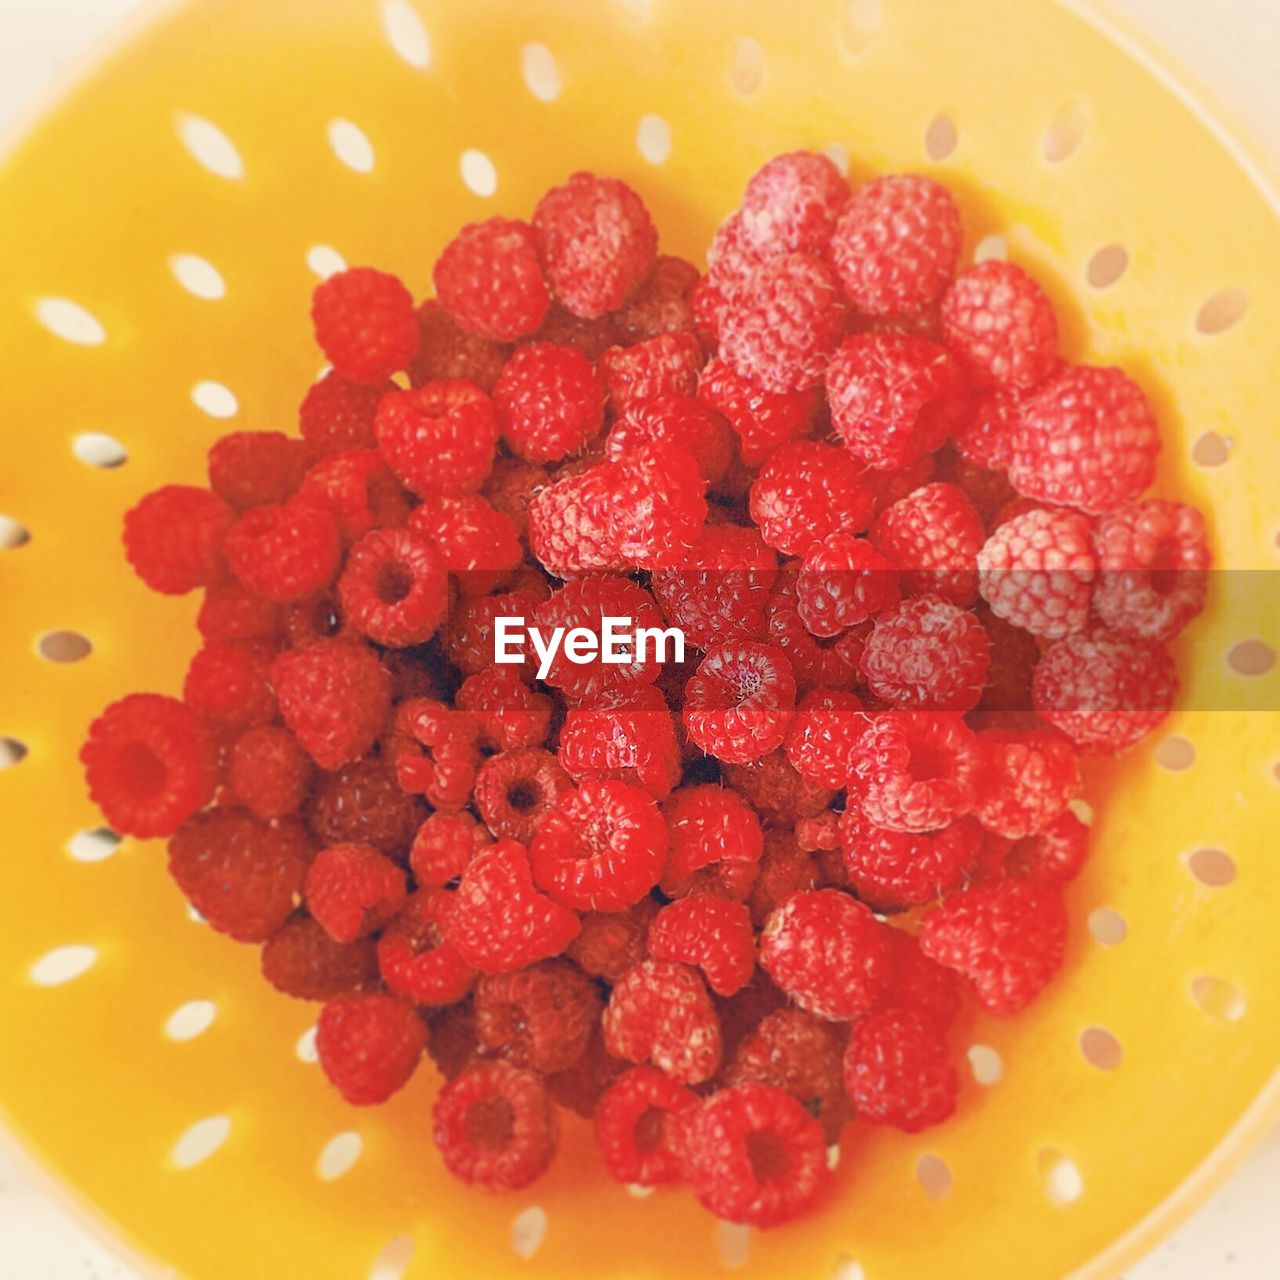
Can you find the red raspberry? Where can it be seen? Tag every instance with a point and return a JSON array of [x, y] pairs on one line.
[[711, 830], [433, 750], [470, 626], [489, 280], [495, 1126], [230, 612], [821, 834], [173, 538], [596, 241], [934, 534], [1088, 438], [920, 983], [989, 491], [843, 581], [782, 332], [447, 351], [1025, 781], [591, 337], [667, 365], [393, 588], [511, 485], [285, 552], [928, 655], [708, 299], [662, 303], [829, 664], [550, 402], [1001, 321], [510, 714], [896, 245], [352, 890], [755, 1155], [637, 1128], [251, 468], [660, 1012], [336, 415], [894, 397], [444, 847], [738, 706], [439, 437], [369, 1046], [985, 438], [242, 875], [581, 1087], [628, 735], [229, 685], [451, 1038], [477, 545], [302, 961], [414, 958], [1014, 654], [601, 847], [1105, 692], [1008, 938], [1154, 558], [823, 735], [681, 421], [762, 419], [334, 695], [365, 324], [360, 803], [499, 921], [516, 790], [711, 933], [791, 204], [1056, 853], [897, 1070], [149, 764], [741, 1014], [269, 773], [611, 942], [775, 790], [806, 491], [357, 488], [890, 870], [828, 953], [732, 259], [540, 1018]]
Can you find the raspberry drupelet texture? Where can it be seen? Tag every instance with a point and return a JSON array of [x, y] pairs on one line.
[[415, 959], [365, 324], [897, 1070], [268, 773], [336, 415], [762, 419], [628, 735], [438, 438], [580, 1087], [432, 748], [469, 626], [920, 983], [667, 365], [509, 712], [791, 204], [611, 942], [252, 468], [817, 664], [712, 830], [358, 489], [843, 581], [823, 735], [637, 1127], [285, 552], [231, 611], [681, 421], [173, 538], [806, 491], [444, 846], [302, 961], [489, 280], [933, 534], [539, 1018], [352, 890], [775, 790], [393, 588], [446, 350], [229, 685], [663, 302], [1055, 853], [1025, 780], [892, 870], [738, 705], [476, 544], [549, 400], [369, 1046], [361, 803], [711, 933], [660, 1013], [517, 789]]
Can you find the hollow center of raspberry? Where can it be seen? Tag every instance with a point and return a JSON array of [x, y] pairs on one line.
[[523, 795], [769, 1156], [140, 770], [649, 1129], [930, 763], [393, 582], [491, 1123]]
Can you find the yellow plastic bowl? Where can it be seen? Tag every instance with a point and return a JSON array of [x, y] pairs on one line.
[[160, 232]]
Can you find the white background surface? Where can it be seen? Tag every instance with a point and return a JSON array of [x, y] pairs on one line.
[[1233, 46]]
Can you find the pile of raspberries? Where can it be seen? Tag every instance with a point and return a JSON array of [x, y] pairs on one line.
[[723, 908]]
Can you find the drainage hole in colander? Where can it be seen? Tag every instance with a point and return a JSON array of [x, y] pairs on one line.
[[351, 145], [991, 248], [733, 1244], [1101, 1049], [406, 34], [324, 261], [210, 147], [11, 752], [859, 22], [393, 1259], [71, 322], [1066, 131], [1060, 1177], [838, 154], [478, 172], [746, 67], [305, 1049], [653, 139], [1211, 450], [63, 964], [985, 1064], [540, 72], [339, 1156], [1251, 658], [96, 844], [215, 399], [199, 1142], [528, 1230], [64, 646], [1108, 926], [1223, 311], [1175, 754], [934, 1176], [190, 1020], [1219, 999], [847, 1268], [940, 137], [198, 276], [95, 449], [13, 534], [1106, 266], [1212, 867]]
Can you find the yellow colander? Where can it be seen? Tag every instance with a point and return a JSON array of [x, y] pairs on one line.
[[159, 234]]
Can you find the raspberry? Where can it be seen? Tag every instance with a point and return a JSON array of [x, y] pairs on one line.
[[989, 491], [791, 204], [230, 612], [667, 365], [173, 538], [499, 921], [596, 241], [782, 332], [843, 581], [681, 421], [488, 279], [927, 654], [393, 587], [540, 1018], [934, 534], [444, 846], [1008, 938], [516, 790], [451, 1038], [1105, 692], [438, 438], [336, 415], [285, 552], [711, 933], [510, 714], [660, 1012], [1088, 438], [738, 705], [581, 1086], [775, 790], [762, 419], [470, 625], [897, 1070], [302, 961], [894, 397], [890, 870], [269, 773], [627, 735], [828, 953], [357, 488], [732, 259], [149, 764], [896, 245], [447, 351], [433, 750], [1153, 556], [1000, 320], [334, 695], [985, 438], [915, 770], [920, 983], [1025, 781], [352, 890], [242, 875], [711, 831], [821, 835], [611, 942], [511, 485], [741, 1014], [637, 1127], [708, 299], [550, 402], [662, 303], [601, 847], [251, 468], [1056, 853], [365, 324], [495, 1126], [369, 1046], [823, 735], [229, 685], [360, 803], [1014, 654], [806, 491], [477, 545], [755, 1155], [591, 337], [817, 664], [414, 958]]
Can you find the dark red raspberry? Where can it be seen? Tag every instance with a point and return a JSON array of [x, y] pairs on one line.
[[393, 587], [285, 552], [369, 1046], [806, 491], [540, 1018], [920, 983], [451, 1038], [660, 1012], [581, 1086], [477, 545], [489, 280], [821, 834], [495, 1126], [438, 438], [242, 875], [843, 581], [550, 402], [231, 612], [1014, 654], [470, 626], [357, 488], [791, 204], [762, 419], [592, 337], [149, 764], [173, 538], [268, 772], [828, 953], [738, 706], [741, 1014], [1154, 558], [336, 415], [934, 534], [985, 438], [785, 870], [711, 933], [596, 241], [251, 468], [414, 958], [516, 790], [601, 848], [823, 735], [890, 870], [334, 695], [637, 1127], [302, 961], [1056, 853], [365, 324], [825, 664], [444, 847], [667, 365], [511, 485], [447, 351], [1025, 781], [775, 790], [897, 1070], [510, 714], [989, 491], [229, 685], [628, 735], [662, 303], [894, 397], [712, 831], [360, 803], [754, 1154], [611, 942], [352, 890], [1001, 321], [434, 751], [681, 421], [1008, 938]]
